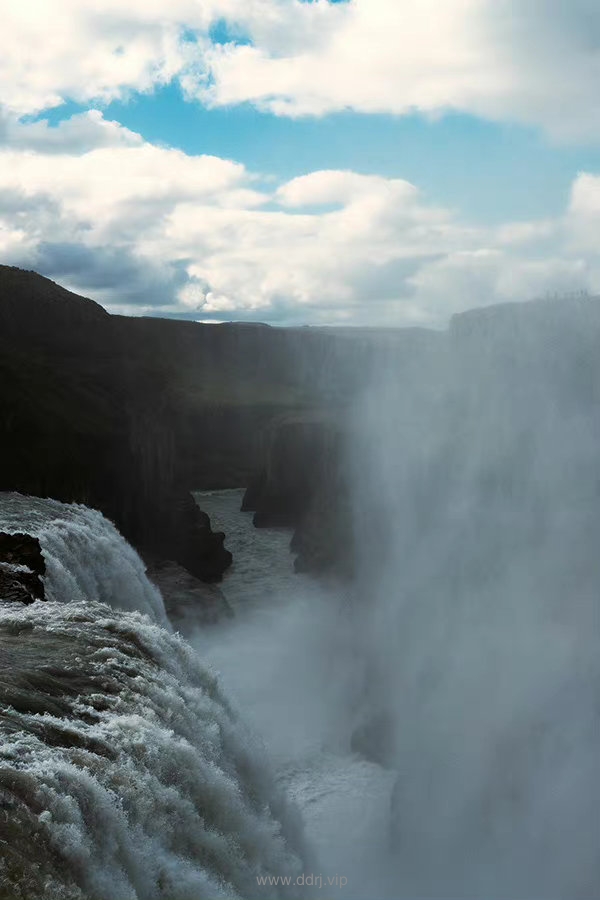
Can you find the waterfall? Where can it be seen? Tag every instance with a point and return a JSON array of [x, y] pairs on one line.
[[124, 772], [86, 557]]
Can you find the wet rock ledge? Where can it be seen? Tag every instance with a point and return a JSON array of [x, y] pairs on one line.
[[21, 568]]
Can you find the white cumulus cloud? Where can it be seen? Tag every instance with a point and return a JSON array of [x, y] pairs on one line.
[[531, 61], [147, 228]]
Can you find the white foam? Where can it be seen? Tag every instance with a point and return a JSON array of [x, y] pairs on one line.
[[86, 557], [150, 788]]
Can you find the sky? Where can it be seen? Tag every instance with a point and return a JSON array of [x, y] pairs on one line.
[[360, 162]]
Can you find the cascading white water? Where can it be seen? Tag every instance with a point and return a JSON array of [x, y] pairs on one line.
[[86, 557], [124, 772]]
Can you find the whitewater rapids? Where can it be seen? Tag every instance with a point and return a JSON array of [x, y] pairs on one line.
[[124, 771], [86, 557]]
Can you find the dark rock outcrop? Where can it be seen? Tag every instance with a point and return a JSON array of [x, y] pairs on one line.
[[304, 485], [185, 535], [374, 739], [22, 550], [189, 602], [20, 586], [21, 567], [299, 451], [324, 540], [255, 491]]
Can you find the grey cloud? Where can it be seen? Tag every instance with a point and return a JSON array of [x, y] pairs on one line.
[[16, 204], [116, 272], [391, 280]]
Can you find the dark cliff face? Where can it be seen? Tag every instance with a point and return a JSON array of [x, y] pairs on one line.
[[299, 452], [129, 415], [83, 418], [304, 484], [62, 414]]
